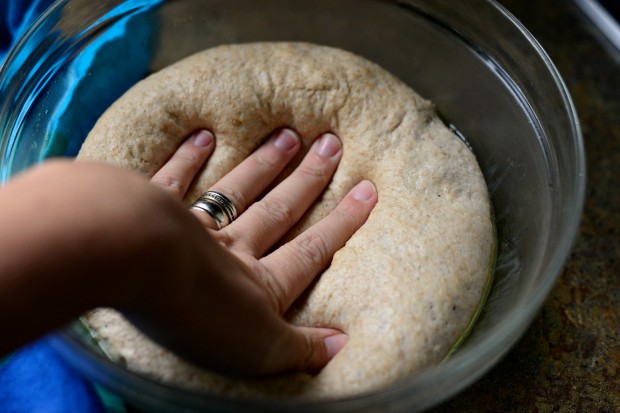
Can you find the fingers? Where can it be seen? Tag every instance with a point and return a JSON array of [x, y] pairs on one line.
[[179, 172], [266, 221], [251, 177], [294, 265]]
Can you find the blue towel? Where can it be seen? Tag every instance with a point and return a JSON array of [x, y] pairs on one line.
[[34, 379]]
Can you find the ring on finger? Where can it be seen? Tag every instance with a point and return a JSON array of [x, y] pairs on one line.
[[218, 206]]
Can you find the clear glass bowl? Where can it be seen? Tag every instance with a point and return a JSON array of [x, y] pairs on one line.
[[484, 71]]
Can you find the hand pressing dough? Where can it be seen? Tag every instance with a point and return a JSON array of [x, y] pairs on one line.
[[406, 285]]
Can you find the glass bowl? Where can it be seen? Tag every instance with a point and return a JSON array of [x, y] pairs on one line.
[[489, 78]]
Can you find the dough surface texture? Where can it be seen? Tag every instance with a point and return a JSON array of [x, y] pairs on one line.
[[406, 285]]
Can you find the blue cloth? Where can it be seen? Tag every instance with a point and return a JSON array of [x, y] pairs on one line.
[[34, 379]]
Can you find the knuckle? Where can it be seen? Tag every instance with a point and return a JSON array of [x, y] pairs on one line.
[[224, 238], [189, 157], [265, 162], [348, 213], [170, 183], [276, 293], [317, 172], [277, 348], [279, 211], [313, 248]]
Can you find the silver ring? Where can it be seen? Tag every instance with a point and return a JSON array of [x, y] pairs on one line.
[[218, 206]]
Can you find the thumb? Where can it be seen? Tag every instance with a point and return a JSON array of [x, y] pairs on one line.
[[307, 348]]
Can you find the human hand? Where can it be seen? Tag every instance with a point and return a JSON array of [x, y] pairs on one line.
[[226, 312], [79, 235]]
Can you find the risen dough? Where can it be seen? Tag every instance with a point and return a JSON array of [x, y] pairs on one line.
[[406, 285]]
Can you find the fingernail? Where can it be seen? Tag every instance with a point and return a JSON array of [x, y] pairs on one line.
[[203, 139], [364, 191], [329, 145], [286, 140], [335, 343]]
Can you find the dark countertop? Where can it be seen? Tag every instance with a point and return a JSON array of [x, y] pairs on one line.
[[569, 359]]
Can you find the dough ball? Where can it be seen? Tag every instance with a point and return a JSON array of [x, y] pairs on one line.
[[406, 285]]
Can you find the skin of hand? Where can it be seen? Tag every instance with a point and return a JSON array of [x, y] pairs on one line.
[[78, 235]]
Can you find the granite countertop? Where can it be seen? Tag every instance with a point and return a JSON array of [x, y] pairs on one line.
[[569, 359]]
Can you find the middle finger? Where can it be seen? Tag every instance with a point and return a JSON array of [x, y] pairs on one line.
[[251, 177], [267, 220]]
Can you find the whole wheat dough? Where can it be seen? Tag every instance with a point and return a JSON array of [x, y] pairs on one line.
[[405, 286]]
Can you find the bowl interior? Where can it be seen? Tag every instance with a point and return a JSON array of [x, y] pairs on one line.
[[488, 78]]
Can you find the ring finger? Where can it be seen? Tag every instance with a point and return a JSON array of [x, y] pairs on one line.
[[251, 177]]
